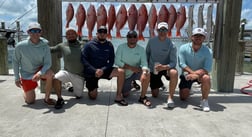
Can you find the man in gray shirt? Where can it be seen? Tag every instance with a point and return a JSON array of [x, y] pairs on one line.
[[162, 60]]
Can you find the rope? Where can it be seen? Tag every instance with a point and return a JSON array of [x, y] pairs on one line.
[[248, 86]]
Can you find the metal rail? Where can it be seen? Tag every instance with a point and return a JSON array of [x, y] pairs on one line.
[[148, 1]]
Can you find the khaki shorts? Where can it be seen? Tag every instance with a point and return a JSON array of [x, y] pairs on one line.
[[76, 80]]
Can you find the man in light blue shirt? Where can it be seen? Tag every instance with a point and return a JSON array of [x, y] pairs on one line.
[[32, 62], [195, 59], [131, 60]]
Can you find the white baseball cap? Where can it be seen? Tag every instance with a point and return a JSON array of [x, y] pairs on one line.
[[34, 25], [162, 24], [200, 31], [70, 28]]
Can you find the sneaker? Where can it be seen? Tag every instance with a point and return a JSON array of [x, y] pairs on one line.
[[59, 104], [170, 103], [49, 102], [163, 88], [135, 85], [204, 105]]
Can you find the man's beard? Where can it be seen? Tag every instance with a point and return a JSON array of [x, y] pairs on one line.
[[72, 41], [102, 39]]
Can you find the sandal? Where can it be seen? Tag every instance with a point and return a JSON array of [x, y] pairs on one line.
[[121, 102], [135, 85], [145, 101]]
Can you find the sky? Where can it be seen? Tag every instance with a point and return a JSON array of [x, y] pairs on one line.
[[25, 11]]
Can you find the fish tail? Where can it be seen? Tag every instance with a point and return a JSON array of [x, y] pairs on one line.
[[109, 36], [178, 34], [118, 34], [169, 34], [79, 32], [141, 37], [67, 24]]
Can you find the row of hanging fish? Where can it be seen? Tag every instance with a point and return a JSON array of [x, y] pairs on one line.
[[137, 19]]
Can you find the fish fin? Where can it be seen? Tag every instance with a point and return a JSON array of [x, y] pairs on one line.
[[109, 36], [169, 34], [178, 34], [141, 37], [118, 34]]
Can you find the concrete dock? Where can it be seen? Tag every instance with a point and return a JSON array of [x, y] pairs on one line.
[[230, 114]]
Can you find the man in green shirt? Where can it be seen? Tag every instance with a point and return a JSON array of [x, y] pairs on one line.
[[73, 68], [131, 60]]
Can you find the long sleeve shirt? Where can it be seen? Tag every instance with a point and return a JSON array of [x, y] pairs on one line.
[[135, 57], [28, 58], [163, 52], [71, 53], [202, 59], [96, 55]]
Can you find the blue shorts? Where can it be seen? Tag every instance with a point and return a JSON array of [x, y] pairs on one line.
[[127, 83]]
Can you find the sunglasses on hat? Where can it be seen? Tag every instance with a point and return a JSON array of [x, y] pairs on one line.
[[132, 36], [162, 30], [35, 30]]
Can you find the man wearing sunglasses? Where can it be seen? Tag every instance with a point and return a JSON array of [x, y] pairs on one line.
[[73, 68], [195, 59], [132, 63], [98, 58], [162, 60], [31, 63]]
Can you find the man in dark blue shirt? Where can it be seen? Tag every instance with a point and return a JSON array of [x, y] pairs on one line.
[[98, 58]]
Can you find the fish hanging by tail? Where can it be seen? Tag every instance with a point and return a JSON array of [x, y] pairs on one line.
[[69, 14]]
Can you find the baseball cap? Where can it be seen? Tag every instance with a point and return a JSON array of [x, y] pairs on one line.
[[102, 29], [200, 31], [132, 33], [162, 24], [34, 25], [70, 28]]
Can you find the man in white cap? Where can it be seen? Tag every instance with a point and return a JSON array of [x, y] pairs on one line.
[[162, 60], [73, 68], [195, 59], [31, 63]]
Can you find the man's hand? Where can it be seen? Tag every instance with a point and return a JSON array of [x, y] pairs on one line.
[[36, 77], [98, 73], [192, 76], [18, 83]]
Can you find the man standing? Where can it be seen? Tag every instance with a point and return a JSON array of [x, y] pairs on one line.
[[131, 60], [195, 59], [98, 58], [162, 60], [31, 63], [73, 68]]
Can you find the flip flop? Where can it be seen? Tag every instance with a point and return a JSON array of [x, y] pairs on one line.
[[121, 102], [145, 101]]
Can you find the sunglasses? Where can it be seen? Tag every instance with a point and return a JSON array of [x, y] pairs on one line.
[[35, 30], [198, 35], [132, 36], [102, 31], [162, 30]]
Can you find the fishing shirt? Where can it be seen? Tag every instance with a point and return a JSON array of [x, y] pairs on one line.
[[202, 59], [96, 55], [135, 57], [28, 58], [163, 52], [71, 53]]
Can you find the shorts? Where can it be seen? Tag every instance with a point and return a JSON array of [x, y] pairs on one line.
[[76, 80], [156, 81], [28, 84], [127, 83], [92, 82], [186, 83]]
